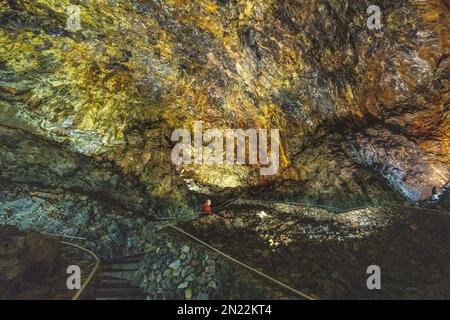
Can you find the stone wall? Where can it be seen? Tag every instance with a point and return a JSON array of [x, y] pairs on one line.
[[174, 268]]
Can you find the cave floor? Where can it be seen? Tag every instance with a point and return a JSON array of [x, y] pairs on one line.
[[34, 265], [326, 255]]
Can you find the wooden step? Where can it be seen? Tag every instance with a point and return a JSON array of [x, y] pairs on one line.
[[114, 281], [119, 292], [107, 280], [121, 266], [130, 259], [128, 275], [114, 285]]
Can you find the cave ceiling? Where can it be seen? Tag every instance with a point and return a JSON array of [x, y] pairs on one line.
[[357, 109]]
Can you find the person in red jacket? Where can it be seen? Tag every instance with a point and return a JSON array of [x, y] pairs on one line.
[[206, 208]]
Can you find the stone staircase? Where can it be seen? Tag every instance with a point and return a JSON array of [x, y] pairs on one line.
[[115, 280]]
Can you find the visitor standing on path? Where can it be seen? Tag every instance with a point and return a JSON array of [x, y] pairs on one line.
[[206, 208]]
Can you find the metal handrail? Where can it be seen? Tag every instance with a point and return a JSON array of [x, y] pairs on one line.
[[62, 235], [309, 205], [242, 264], [91, 274]]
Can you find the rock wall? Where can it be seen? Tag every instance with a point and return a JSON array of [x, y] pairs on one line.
[[402, 162], [30, 160], [112, 232], [136, 70], [33, 266], [174, 268]]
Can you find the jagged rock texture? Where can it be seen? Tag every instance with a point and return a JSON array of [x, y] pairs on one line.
[[139, 69]]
